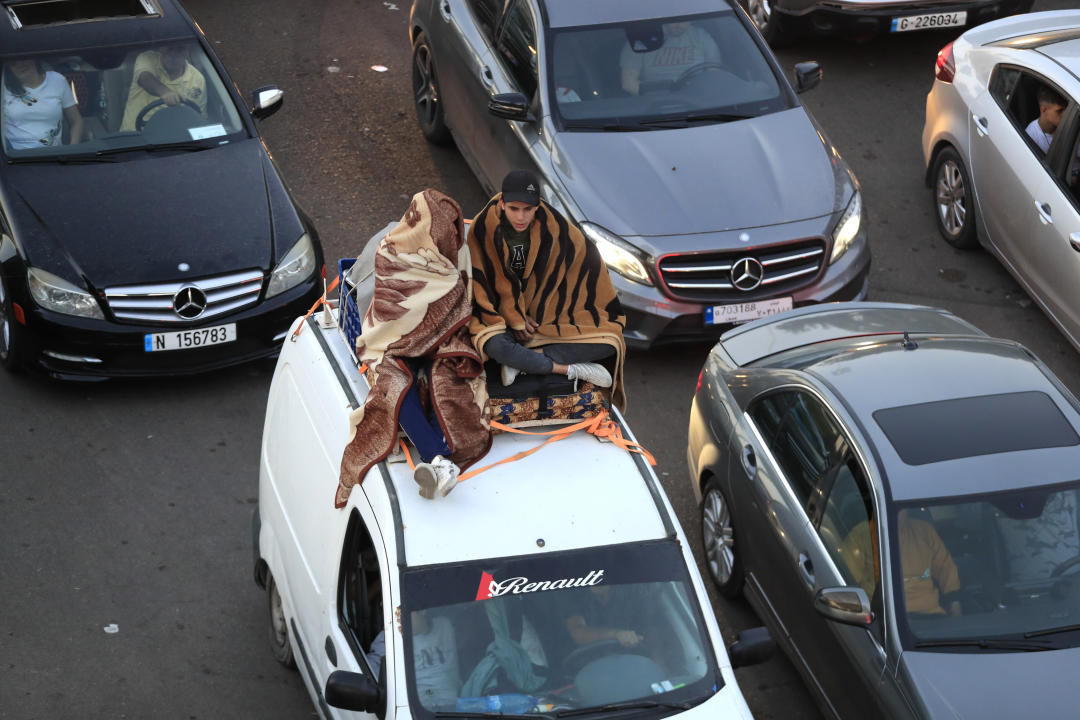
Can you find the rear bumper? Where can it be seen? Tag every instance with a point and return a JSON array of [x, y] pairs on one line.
[[844, 17]]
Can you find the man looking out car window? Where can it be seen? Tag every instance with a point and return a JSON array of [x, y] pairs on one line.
[[1051, 106]]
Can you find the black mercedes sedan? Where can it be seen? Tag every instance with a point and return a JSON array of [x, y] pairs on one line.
[[145, 229]]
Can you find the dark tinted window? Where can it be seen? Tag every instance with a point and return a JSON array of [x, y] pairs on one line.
[[802, 436], [848, 528], [487, 15], [1020, 94], [517, 48], [951, 429], [360, 594]]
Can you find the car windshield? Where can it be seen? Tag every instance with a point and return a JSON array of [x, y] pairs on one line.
[[997, 571], [561, 632], [111, 101], [660, 73]]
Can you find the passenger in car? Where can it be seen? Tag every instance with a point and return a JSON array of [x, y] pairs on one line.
[[543, 302], [164, 74], [35, 103], [435, 659], [664, 56], [1051, 106]]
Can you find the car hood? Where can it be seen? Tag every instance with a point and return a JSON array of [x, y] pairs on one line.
[[138, 219], [955, 686], [767, 170]]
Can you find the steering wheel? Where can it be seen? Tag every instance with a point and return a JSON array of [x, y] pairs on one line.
[[1062, 567], [140, 119], [582, 656], [694, 71]]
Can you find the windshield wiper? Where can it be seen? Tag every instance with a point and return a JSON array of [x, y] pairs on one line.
[[1052, 631], [697, 117], [182, 145], [987, 644], [606, 127], [489, 714], [62, 159], [630, 705]]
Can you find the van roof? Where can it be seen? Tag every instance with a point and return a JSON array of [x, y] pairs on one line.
[[573, 493]]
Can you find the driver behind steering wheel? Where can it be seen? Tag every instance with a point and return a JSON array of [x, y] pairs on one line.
[[682, 45], [163, 74]]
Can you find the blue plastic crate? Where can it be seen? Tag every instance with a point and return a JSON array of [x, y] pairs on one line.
[[349, 318]]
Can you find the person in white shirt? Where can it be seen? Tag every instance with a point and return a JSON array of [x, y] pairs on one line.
[[35, 102], [1051, 106], [684, 46]]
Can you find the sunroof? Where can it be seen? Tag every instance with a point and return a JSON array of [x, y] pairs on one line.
[[30, 13], [984, 425]]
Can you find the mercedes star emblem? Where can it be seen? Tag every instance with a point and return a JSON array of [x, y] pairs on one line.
[[747, 273], [189, 302]]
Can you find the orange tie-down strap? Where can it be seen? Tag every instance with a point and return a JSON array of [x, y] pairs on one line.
[[315, 307], [600, 425]]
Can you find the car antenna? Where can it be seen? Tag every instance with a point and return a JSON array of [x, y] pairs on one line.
[[908, 343]]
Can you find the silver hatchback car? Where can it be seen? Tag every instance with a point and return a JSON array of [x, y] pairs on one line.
[[669, 133], [1002, 150], [897, 496]]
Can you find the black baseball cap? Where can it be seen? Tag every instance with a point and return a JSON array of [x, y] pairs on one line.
[[521, 186]]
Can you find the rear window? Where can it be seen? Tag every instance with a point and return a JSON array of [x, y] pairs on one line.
[[967, 427]]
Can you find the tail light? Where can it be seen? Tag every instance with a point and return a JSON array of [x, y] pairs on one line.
[[944, 68], [699, 376]]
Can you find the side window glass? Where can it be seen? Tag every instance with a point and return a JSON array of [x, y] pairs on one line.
[[1034, 105], [848, 528], [517, 48], [803, 438], [487, 15], [1003, 86], [360, 598], [1072, 172]]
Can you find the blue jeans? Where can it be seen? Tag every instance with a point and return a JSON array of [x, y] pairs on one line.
[[423, 431]]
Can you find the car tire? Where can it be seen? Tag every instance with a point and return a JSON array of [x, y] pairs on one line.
[[718, 538], [9, 332], [279, 627], [429, 111], [954, 209], [768, 23]]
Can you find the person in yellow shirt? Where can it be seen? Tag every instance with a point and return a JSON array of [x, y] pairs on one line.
[[929, 571], [166, 75]]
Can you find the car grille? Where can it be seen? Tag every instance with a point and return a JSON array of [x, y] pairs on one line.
[[155, 303], [706, 277]]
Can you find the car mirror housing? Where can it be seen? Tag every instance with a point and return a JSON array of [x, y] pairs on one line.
[[848, 605], [266, 101], [807, 75], [510, 106], [352, 691], [751, 647]]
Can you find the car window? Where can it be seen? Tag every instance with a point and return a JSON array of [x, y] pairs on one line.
[[707, 67], [1034, 104], [802, 436], [848, 528], [487, 16], [124, 98], [360, 594], [998, 567], [517, 47]]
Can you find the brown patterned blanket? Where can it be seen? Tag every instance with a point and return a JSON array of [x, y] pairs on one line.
[[566, 287], [420, 309]]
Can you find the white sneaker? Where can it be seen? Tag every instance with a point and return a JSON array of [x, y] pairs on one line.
[[440, 474], [508, 375], [594, 373]]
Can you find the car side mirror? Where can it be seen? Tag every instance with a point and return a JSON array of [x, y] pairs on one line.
[[751, 647], [807, 75], [510, 106], [266, 101], [848, 605], [352, 691]]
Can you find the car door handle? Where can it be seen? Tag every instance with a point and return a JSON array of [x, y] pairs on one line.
[[749, 461], [982, 125], [806, 569], [1044, 212], [486, 77], [444, 6], [1074, 240]]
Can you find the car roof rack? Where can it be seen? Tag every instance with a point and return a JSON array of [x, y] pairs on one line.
[[1038, 39], [36, 13]]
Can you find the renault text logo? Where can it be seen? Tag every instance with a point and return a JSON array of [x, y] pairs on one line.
[[746, 274], [189, 302]]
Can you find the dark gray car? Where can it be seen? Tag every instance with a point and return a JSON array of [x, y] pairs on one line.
[[668, 132], [897, 496]]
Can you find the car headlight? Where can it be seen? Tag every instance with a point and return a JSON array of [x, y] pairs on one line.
[[847, 228], [56, 294], [296, 267], [619, 255]]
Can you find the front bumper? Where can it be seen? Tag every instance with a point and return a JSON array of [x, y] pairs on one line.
[[854, 17], [79, 348]]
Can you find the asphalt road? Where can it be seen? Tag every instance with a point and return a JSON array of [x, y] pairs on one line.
[[126, 506]]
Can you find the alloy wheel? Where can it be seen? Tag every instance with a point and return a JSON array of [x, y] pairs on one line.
[[426, 95], [5, 324], [718, 536], [951, 198]]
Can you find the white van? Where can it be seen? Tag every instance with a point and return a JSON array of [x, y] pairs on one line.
[[559, 584]]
